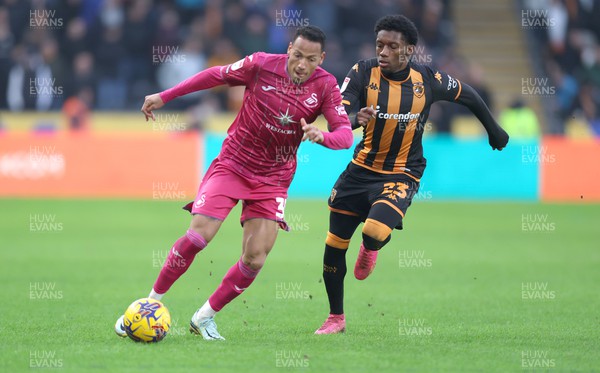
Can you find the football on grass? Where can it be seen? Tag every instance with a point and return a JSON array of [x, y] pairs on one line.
[[147, 320]]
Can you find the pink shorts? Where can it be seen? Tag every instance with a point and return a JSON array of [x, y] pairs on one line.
[[221, 189]]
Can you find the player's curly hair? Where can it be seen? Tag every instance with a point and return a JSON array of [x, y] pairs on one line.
[[312, 33], [400, 24]]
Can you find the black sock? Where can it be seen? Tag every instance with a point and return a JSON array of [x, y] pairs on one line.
[[334, 271]]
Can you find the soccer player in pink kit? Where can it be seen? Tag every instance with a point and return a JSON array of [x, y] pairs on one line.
[[284, 94]]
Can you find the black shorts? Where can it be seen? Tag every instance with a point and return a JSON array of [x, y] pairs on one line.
[[358, 189]]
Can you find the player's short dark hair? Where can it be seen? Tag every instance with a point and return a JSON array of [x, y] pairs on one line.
[[400, 24], [311, 33]]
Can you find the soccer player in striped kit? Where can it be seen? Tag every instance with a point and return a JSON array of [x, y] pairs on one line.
[[393, 97]]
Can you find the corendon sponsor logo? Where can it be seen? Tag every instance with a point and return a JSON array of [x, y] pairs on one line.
[[407, 117]]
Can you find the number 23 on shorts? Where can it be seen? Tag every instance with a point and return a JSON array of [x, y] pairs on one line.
[[394, 190]]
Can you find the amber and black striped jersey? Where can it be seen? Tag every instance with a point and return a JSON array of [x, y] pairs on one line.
[[391, 142]]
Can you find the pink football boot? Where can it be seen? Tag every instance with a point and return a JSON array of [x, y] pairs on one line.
[[333, 325]]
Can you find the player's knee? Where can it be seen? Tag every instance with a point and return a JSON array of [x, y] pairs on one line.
[[336, 242], [254, 260], [375, 234], [205, 226], [255, 253], [376, 230]]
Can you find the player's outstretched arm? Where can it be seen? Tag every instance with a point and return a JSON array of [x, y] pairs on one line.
[[498, 138], [237, 73], [450, 89], [205, 79]]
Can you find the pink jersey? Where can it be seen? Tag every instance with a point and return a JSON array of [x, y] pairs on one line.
[[263, 139]]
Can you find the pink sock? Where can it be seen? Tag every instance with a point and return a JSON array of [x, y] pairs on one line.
[[179, 260], [237, 279]]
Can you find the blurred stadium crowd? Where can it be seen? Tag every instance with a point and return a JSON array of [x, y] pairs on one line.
[[110, 53], [107, 54], [570, 51]]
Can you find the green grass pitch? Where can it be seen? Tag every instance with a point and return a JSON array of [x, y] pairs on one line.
[[466, 287]]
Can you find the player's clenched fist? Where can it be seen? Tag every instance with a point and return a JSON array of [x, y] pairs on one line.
[[151, 102], [311, 132], [365, 114], [498, 139]]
